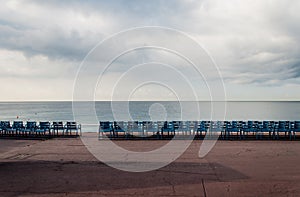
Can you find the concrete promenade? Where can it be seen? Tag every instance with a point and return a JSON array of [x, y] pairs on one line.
[[64, 167]]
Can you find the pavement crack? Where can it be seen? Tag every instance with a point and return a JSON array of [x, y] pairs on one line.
[[204, 190]]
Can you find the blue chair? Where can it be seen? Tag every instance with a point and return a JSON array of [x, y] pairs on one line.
[[259, 134], [134, 128], [207, 125], [265, 127], [232, 127], [160, 125], [105, 127], [296, 128], [30, 128], [284, 127], [272, 132], [201, 127], [58, 126], [43, 128], [72, 126], [224, 132], [5, 127], [176, 125], [184, 128], [167, 127], [119, 128], [216, 127], [204, 126], [249, 127], [150, 127], [18, 127]]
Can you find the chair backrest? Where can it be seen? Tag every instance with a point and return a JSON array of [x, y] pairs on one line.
[[17, 124], [118, 125], [44, 125], [194, 125], [240, 123], [176, 124], [184, 124], [58, 125], [202, 125], [145, 123], [150, 125], [31, 125], [265, 124], [71, 125], [297, 125], [5, 124], [207, 123], [283, 124], [168, 125], [250, 124], [105, 125], [216, 125], [137, 124], [234, 124], [160, 124], [231, 124]]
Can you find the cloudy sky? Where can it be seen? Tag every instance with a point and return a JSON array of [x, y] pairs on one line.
[[255, 44]]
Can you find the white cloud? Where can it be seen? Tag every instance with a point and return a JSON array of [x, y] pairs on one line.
[[255, 43]]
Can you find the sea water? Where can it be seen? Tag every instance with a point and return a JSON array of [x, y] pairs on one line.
[[145, 110]]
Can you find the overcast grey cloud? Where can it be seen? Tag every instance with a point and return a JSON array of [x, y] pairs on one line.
[[254, 43]]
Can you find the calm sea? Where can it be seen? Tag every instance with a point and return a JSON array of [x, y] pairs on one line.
[[150, 110]]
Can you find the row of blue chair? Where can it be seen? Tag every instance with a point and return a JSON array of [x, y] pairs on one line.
[[32, 128], [225, 129]]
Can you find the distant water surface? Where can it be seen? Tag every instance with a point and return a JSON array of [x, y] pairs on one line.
[[146, 110]]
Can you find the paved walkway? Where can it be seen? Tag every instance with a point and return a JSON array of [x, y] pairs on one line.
[[64, 167]]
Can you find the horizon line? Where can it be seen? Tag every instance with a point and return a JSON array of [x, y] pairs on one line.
[[275, 100]]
